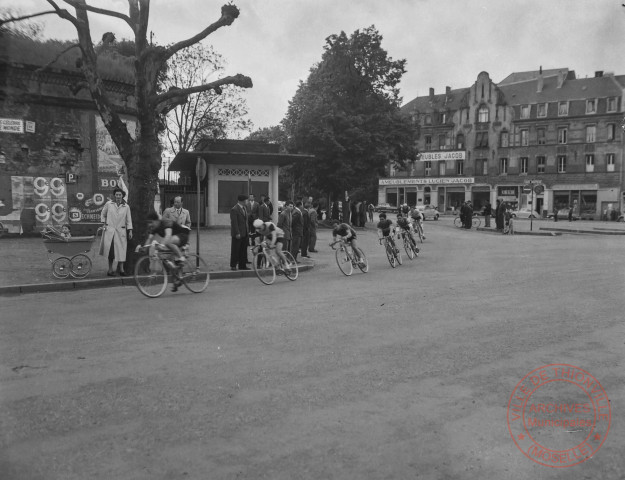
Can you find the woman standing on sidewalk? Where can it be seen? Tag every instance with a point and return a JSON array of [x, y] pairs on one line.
[[117, 231]]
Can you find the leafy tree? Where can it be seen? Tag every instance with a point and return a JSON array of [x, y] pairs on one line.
[[143, 153], [209, 114], [347, 114]]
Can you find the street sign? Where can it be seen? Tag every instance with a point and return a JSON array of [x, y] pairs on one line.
[[527, 189], [538, 189]]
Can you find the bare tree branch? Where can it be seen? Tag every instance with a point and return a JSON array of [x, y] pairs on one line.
[[229, 13], [237, 80], [103, 11], [25, 17], [64, 14], [41, 69]]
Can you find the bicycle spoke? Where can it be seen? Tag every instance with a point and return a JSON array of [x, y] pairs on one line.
[[194, 274], [150, 276], [265, 271], [344, 261]]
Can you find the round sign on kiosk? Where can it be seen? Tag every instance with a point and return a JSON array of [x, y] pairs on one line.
[[538, 189]]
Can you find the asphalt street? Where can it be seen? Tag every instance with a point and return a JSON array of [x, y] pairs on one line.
[[397, 373]]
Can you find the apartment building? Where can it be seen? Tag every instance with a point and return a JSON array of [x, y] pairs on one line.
[[541, 140]]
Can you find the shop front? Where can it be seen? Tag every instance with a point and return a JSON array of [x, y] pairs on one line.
[[445, 193], [583, 198], [480, 194], [509, 194]]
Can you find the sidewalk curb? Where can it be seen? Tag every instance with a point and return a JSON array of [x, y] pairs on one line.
[[593, 232], [521, 232], [117, 282]]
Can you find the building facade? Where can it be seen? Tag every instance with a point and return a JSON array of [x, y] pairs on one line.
[[542, 140]]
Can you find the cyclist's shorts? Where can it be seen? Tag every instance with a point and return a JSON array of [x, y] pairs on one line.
[[280, 240], [184, 238]]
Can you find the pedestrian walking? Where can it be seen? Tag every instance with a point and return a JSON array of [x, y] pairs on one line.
[[117, 230], [370, 209], [555, 213], [239, 231]]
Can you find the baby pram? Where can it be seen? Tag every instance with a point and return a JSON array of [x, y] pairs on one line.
[[68, 256]]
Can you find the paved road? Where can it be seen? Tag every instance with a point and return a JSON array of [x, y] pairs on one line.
[[402, 373]]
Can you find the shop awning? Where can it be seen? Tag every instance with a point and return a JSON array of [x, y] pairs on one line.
[[186, 161]]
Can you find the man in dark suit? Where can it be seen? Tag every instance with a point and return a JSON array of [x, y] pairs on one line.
[[297, 229], [306, 230], [239, 231]]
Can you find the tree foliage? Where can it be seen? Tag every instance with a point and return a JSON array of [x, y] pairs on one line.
[[142, 154], [347, 114], [209, 114]]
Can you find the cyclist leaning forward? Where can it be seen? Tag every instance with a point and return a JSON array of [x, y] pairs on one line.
[[348, 235], [275, 238], [417, 219], [173, 236], [385, 227], [406, 226]]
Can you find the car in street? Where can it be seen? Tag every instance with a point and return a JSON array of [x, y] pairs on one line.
[[563, 214], [526, 213], [429, 212], [621, 218], [386, 208]]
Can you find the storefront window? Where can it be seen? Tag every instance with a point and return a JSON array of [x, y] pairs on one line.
[[588, 204], [391, 196]]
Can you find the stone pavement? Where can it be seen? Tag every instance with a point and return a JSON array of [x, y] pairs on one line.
[[26, 267]]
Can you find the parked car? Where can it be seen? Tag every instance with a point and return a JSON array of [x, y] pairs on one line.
[[563, 214], [621, 218], [428, 211], [527, 213], [386, 208]]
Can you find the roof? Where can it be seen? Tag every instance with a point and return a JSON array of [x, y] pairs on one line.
[[453, 101], [517, 77], [234, 152]]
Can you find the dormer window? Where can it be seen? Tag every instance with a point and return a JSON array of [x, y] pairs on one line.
[[525, 111], [611, 107], [591, 106], [563, 108], [542, 110], [428, 120]]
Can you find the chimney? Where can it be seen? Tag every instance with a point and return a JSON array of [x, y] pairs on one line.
[[447, 90], [539, 85], [599, 73], [431, 92], [561, 77]]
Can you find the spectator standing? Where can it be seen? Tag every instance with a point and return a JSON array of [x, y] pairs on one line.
[[499, 213], [370, 209], [270, 205], [488, 211], [177, 214], [297, 229], [314, 222], [555, 213], [570, 213], [264, 213], [117, 230], [284, 222], [305, 229], [239, 231]]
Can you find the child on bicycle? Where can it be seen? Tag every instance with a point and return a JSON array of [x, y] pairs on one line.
[[384, 230], [275, 238], [348, 235]]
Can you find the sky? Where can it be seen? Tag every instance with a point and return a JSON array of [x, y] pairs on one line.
[[445, 42]]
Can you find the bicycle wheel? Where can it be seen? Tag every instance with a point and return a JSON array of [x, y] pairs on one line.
[[458, 222], [476, 222], [265, 271], [195, 274], [344, 261], [61, 267], [389, 254], [398, 255], [80, 265], [150, 276], [293, 271], [364, 263], [408, 247]]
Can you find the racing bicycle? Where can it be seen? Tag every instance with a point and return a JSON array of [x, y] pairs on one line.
[[154, 270], [410, 244], [392, 252], [346, 259], [267, 264]]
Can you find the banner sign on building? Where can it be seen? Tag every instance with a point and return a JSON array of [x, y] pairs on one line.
[[426, 181], [11, 125], [435, 156], [507, 192]]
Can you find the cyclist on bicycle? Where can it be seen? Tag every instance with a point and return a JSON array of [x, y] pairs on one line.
[[417, 219], [173, 234], [405, 226], [348, 235], [275, 238], [385, 227]]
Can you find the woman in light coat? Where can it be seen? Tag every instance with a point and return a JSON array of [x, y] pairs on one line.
[[117, 229]]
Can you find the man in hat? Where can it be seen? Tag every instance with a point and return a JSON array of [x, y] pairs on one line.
[[239, 231]]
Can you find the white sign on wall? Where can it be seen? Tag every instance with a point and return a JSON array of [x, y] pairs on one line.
[[426, 181], [435, 156], [11, 125]]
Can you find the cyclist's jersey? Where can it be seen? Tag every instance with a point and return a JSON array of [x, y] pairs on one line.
[[416, 214], [343, 230], [403, 223], [385, 226], [176, 229], [268, 228]]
